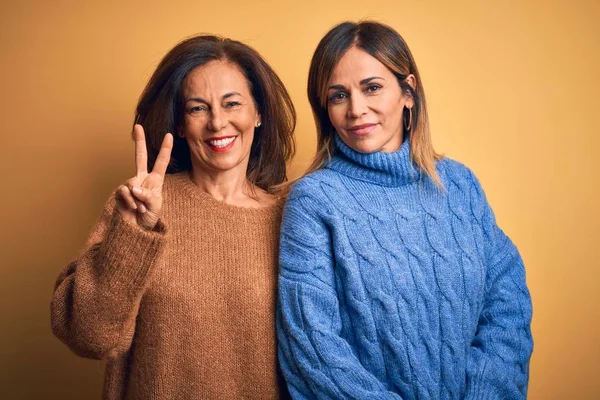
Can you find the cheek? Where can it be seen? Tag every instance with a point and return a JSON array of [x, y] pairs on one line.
[[243, 121], [193, 126], [245, 130], [336, 116], [248, 139], [392, 111], [244, 126]]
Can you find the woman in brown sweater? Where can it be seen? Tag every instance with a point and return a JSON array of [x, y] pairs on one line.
[[176, 285]]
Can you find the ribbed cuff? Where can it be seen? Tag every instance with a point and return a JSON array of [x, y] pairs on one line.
[[129, 253]]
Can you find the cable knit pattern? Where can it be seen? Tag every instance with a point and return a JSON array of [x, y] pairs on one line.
[[391, 288]]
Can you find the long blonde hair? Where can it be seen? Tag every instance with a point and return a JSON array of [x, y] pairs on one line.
[[387, 46]]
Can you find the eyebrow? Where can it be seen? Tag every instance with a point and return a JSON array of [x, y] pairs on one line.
[[201, 100], [364, 81]]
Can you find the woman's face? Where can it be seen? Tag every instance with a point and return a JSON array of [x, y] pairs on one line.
[[365, 103], [219, 117]]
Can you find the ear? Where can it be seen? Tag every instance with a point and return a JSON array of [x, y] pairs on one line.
[[412, 81], [258, 121]]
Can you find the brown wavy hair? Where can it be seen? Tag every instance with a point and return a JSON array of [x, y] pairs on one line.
[[161, 105], [389, 48]]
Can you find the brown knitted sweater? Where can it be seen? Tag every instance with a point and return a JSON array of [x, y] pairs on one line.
[[183, 312]]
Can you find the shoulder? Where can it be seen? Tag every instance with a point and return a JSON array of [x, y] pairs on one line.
[[453, 169], [311, 197], [455, 173], [462, 186], [315, 185], [175, 181], [177, 186]]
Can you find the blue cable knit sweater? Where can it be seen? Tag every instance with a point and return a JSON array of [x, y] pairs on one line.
[[391, 288]]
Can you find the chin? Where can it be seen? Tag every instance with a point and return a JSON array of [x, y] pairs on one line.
[[224, 166], [226, 163], [365, 146]]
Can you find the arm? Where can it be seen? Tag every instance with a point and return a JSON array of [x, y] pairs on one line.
[[97, 296], [498, 360], [316, 361]]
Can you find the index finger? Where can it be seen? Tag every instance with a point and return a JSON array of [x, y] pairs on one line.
[[141, 154], [164, 155]]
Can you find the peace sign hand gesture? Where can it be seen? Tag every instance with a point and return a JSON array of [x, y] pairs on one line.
[[139, 199]]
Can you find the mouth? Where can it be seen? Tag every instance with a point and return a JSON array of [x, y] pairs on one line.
[[361, 130], [221, 144]]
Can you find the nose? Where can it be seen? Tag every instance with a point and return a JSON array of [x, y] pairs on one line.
[[217, 120], [358, 106]]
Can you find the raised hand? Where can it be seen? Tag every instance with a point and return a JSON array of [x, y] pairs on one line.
[[139, 199]]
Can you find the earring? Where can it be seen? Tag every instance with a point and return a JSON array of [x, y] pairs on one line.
[[409, 126], [258, 124]]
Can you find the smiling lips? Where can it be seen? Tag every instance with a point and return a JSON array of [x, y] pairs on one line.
[[221, 144], [361, 130]]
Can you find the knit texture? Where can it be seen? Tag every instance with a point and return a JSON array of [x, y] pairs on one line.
[[184, 312], [391, 288]]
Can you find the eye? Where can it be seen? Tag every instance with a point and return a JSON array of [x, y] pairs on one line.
[[232, 104], [196, 109], [338, 97], [372, 88]]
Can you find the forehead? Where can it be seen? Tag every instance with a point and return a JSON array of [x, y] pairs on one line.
[[216, 78], [355, 65]]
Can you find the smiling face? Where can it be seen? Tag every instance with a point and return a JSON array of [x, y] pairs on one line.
[[365, 103], [220, 116]]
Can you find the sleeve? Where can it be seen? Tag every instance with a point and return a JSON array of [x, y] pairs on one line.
[[316, 361], [97, 296], [498, 360]]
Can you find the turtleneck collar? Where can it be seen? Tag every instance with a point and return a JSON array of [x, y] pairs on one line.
[[384, 169]]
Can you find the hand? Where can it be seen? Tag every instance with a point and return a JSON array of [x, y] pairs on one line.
[[139, 199]]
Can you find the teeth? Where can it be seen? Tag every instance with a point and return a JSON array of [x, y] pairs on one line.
[[221, 142]]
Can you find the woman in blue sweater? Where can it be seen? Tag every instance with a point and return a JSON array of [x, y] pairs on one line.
[[395, 281]]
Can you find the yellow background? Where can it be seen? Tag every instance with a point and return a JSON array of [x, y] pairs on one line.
[[513, 93]]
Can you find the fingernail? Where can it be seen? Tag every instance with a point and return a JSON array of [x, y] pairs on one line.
[[137, 190]]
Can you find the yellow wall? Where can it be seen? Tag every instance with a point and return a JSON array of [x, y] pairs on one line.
[[513, 91]]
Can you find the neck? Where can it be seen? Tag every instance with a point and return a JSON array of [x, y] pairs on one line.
[[382, 168], [228, 186]]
